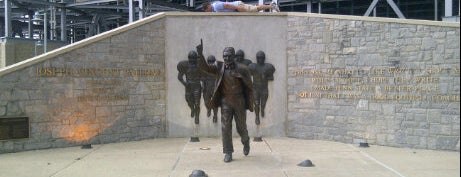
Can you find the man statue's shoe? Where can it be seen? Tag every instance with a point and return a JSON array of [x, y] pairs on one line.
[[197, 121], [228, 158], [246, 147]]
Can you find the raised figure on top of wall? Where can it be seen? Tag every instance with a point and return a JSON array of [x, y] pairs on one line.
[[190, 69], [240, 57], [262, 73], [234, 94], [208, 81]]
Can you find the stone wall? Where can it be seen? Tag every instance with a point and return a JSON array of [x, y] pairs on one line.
[[389, 83], [108, 88], [349, 79], [14, 50]]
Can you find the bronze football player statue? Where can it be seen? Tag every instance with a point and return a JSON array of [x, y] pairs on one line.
[[262, 73], [190, 69]]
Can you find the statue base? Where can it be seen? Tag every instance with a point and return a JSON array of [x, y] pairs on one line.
[[86, 146], [258, 139], [194, 139], [364, 145]]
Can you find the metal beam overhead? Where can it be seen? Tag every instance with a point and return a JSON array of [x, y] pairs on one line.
[[102, 7], [89, 2], [396, 9], [41, 2], [370, 9], [390, 2], [20, 6], [76, 17]]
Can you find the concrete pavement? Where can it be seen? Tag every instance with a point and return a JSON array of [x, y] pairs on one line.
[[274, 157]]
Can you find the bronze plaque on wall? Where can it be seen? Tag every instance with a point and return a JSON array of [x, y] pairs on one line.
[[14, 128]]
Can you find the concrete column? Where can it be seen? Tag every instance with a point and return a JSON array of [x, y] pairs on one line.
[[52, 22], [118, 10], [448, 8], [436, 10], [8, 27], [141, 9], [320, 7], [45, 33], [309, 6], [29, 25], [63, 25], [130, 11]]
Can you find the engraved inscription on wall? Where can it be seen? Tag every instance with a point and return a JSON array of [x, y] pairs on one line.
[[107, 87], [94, 72], [387, 83]]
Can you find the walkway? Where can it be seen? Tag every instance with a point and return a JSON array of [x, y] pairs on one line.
[[274, 157]]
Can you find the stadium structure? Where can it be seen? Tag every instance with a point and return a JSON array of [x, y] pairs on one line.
[[42, 22]]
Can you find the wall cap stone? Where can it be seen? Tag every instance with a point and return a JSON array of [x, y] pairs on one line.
[[378, 19], [315, 15]]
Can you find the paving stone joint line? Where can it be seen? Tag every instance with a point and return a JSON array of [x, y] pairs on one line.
[[178, 159], [76, 160], [378, 162]]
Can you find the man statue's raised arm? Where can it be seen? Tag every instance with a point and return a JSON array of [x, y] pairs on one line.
[[202, 62]]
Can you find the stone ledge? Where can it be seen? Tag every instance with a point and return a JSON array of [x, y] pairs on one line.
[[377, 19]]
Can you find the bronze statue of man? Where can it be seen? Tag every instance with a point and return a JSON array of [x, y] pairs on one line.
[[208, 81], [262, 73], [192, 83], [233, 93], [240, 57]]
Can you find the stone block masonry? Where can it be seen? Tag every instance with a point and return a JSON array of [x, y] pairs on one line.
[[384, 83], [110, 90]]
